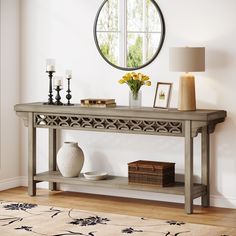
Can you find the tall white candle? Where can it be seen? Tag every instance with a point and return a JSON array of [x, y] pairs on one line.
[[69, 74], [50, 64], [50, 68]]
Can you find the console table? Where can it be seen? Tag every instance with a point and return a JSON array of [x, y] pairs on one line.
[[122, 119]]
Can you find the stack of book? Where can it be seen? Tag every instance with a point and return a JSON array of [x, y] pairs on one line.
[[91, 102]]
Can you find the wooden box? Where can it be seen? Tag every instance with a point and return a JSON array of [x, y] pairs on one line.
[[161, 174]]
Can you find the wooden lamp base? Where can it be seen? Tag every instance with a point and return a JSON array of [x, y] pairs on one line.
[[187, 100]]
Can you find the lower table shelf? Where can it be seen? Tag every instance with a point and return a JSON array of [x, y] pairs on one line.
[[120, 183]]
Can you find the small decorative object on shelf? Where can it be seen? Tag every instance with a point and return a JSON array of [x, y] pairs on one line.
[[135, 81], [96, 102], [70, 159], [162, 95], [50, 69], [161, 174], [58, 88], [95, 175], [68, 96]]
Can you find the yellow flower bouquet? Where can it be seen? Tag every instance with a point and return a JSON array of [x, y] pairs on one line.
[[135, 81]]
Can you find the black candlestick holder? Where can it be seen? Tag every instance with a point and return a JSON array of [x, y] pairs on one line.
[[50, 95], [68, 96], [58, 96]]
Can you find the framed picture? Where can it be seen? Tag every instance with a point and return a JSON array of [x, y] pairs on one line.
[[162, 95]]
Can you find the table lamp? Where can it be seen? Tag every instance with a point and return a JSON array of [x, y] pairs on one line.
[[187, 59]]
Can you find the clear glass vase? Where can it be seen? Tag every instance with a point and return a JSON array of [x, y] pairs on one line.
[[135, 99]]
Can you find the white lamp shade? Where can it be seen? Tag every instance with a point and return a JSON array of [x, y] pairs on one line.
[[187, 59]]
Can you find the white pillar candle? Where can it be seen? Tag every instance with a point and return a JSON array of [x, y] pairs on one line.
[[50, 68], [50, 64], [68, 74], [58, 81]]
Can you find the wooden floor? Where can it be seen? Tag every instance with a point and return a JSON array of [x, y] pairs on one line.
[[153, 209]]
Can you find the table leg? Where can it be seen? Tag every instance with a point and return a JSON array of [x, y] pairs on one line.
[[205, 171], [188, 168], [52, 155], [31, 155]]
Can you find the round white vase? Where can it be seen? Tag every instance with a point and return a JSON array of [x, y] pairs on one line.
[[70, 159]]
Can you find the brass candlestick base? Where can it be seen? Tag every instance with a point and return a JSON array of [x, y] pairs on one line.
[[187, 99]]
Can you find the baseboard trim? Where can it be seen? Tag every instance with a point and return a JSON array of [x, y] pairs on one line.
[[13, 182], [23, 181], [215, 200], [10, 183], [221, 201]]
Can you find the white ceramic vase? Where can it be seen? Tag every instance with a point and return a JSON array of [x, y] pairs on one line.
[[70, 159]]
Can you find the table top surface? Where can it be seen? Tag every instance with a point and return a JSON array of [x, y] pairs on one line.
[[124, 111]]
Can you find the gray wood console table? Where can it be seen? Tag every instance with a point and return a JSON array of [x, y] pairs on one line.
[[122, 120]]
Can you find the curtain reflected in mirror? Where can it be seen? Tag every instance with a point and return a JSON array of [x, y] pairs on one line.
[[129, 33]]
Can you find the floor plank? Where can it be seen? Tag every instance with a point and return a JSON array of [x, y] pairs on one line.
[[135, 207]]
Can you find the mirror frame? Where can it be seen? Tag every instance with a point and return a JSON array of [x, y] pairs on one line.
[[154, 56]]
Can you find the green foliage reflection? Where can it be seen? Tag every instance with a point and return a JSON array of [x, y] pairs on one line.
[[135, 55]]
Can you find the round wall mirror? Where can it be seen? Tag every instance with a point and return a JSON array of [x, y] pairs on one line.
[[129, 34]]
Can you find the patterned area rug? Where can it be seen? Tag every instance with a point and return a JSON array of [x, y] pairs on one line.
[[31, 219]]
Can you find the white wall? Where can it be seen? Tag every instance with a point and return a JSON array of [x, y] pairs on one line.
[[9, 159], [63, 29]]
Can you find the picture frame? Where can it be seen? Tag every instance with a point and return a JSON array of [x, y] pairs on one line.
[[162, 95]]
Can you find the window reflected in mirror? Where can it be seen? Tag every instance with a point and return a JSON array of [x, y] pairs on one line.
[[129, 33]]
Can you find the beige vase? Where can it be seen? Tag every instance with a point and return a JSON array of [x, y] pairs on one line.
[[70, 159]]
